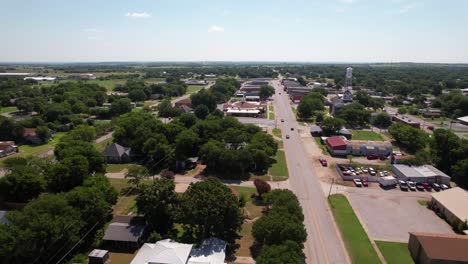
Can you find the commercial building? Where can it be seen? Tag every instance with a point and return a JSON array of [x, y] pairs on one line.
[[425, 173], [452, 203], [196, 82], [212, 251], [405, 120], [242, 108], [431, 112], [336, 146], [430, 248], [49, 79], [366, 148]]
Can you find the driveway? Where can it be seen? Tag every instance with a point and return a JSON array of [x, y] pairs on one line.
[[390, 215]]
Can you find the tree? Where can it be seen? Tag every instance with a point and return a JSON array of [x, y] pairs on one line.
[[209, 209], [157, 202], [302, 81], [266, 91], [331, 126], [187, 119], [201, 111], [83, 132], [71, 148], [262, 187], [460, 173], [186, 144], [43, 133], [137, 95], [288, 252], [121, 106], [136, 174], [354, 115], [21, 185], [413, 139], [67, 174], [310, 104], [382, 120], [25, 104], [204, 97]]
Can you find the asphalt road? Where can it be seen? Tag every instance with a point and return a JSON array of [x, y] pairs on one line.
[[324, 244]]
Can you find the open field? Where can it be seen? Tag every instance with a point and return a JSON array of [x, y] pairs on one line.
[[395, 252], [112, 168], [279, 170], [355, 238], [366, 135], [193, 89]]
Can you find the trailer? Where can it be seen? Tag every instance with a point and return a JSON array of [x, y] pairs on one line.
[[388, 182]]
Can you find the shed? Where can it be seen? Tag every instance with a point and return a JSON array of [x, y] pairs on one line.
[[315, 130], [98, 256], [126, 231]]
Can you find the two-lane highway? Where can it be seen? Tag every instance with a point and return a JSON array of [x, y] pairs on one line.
[[324, 244]]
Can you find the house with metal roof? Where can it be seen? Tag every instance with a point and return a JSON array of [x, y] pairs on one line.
[[125, 231]]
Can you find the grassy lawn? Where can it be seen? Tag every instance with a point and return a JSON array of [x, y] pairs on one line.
[[279, 170], [119, 184], [36, 150], [193, 89], [252, 211], [394, 252], [271, 112], [117, 167], [356, 240], [322, 146], [422, 202], [8, 109], [277, 132], [366, 135], [103, 144]]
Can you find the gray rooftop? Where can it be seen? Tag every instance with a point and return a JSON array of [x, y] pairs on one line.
[[419, 171]]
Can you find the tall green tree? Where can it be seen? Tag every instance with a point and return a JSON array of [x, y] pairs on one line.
[[266, 91], [331, 125]]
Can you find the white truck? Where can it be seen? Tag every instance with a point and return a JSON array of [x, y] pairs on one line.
[[388, 182]]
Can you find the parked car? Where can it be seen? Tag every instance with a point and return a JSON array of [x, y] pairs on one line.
[[427, 186], [420, 186], [411, 185], [365, 170], [365, 183], [382, 157], [435, 186], [403, 185], [372, 172], [357, 182], [444, 186], [323, 162], [287, 136], [372, 157], [282, 120]]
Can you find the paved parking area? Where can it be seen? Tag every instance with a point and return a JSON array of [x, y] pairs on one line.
[[390, 215]]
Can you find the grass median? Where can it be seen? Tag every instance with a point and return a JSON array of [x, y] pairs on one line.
[[355, 237], [279, 170], [395, 252]]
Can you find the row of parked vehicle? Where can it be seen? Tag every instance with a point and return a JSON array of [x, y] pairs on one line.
[[351, 171], [421, 186]]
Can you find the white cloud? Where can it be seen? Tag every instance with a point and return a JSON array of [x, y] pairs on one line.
[[407, 8], [216, 29], [92, 30], [138, 15]]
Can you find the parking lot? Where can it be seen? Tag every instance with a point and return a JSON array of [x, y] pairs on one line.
[[390, 215]]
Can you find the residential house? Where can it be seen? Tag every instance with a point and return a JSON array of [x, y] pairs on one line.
[[186, 102], [116, 153], [7, 148], [212, 251], [186, 109], [125, 231], [430, 248], [30, 135]]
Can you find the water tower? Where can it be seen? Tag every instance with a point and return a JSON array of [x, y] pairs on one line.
[[348, 88]]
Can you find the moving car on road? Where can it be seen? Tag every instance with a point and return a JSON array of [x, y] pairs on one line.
[[282, 120], [357, 182], [287, 136], [292, 128]]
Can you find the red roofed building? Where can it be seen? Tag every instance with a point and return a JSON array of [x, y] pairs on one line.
[[428, 248], [336, 146], [186, 102]]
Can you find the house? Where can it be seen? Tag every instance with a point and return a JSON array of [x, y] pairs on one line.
[[316, 131], [463, 120], [7, 148], [430, 248], [186, 102], [156, 96], [212, 251], [116, 153], [125, 231], [425, 173], [186, 109], [30, 135], [452, 203], [196, 82], [431, 112], [336, 146]]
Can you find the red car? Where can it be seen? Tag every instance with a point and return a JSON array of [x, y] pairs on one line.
[[427, 186], [372, 157], [365, 183], [323, 162]]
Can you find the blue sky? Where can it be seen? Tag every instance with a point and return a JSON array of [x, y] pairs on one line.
[[240, 30]]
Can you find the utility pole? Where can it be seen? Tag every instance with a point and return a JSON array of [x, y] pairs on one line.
[[331, 186]]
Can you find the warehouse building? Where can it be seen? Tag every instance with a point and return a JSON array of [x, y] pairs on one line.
[[429, 248], [425, 173], [452, 203]]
